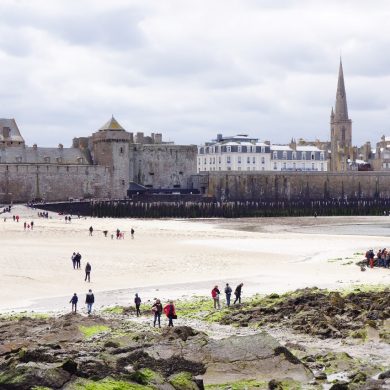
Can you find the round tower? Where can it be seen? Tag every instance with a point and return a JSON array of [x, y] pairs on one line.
[[110, 148]]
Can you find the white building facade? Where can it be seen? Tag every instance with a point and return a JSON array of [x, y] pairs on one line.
[[237, 153], [298, 158], [243, 153]]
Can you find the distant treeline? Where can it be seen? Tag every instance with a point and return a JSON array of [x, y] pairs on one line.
[[211, 209]]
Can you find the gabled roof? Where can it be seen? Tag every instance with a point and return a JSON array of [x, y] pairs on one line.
[[112, 124], [14, 133]]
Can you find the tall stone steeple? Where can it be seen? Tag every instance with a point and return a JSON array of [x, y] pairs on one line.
[[341, 113], [341, 129]]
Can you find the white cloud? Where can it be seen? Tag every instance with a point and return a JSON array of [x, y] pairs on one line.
[[192, 69]]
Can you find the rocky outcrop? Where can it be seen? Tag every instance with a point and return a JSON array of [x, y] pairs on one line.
[[318, 312], [60, 353]]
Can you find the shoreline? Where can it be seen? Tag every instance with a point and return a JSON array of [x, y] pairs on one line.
[[36, 269]]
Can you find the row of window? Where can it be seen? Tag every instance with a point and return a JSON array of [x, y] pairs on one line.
[[240, 149], [296, 166], [294, 155], [228, 159]]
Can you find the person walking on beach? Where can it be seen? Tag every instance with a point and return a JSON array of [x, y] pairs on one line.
[[90, 230], [89, 300], [32, 225], [73, 258], [132, 232], [88, 269], [228, 293], [25, 225], [237, 293], [170, 312], [78, 260], [215, 295], [137, 301], [157, 310], [74, 301]]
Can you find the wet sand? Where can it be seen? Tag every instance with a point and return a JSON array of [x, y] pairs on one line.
[[174, 258]]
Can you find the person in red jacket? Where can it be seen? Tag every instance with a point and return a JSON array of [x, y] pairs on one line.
[[215, 295], [170, 312]]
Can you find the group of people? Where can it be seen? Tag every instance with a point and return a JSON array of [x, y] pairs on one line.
[[43, 214], [381, 259], [28, 225], [119, 235], [89, 300], [157, 308], [76, 261], [215, 294]]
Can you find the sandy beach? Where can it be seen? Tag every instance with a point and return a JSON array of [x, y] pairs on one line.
[[174, 258]]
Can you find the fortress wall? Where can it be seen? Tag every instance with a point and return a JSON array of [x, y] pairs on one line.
[[24, 182], [290, 185], [163, 165]]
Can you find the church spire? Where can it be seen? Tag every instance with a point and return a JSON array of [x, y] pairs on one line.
[[341, 109]]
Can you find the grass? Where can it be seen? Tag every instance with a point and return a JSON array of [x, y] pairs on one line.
[[90, 331]]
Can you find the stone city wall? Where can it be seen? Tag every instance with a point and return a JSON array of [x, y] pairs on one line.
[[293, 186], [24, 182], [163, 165]]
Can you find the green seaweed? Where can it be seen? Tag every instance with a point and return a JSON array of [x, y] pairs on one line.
[[183, 381], [108, 384], [90, 331]]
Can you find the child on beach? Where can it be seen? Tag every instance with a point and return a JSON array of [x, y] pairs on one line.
[[74, 301]]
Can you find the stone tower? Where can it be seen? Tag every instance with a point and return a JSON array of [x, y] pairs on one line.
[[110, 148], [341, 129]]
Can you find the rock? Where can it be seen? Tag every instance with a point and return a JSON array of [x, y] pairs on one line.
[[273, 384], [320, 375], [339, 386], [358, 377], [70, 366], [182, 332], [384, 375]]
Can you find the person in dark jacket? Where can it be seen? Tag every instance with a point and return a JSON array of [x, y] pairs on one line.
[[88, 269], [90, 230], [74, 301], [89, 300], [157, 310], [137, 301], [78, 260], [74, 258], [228, 293], [170, 312], [237, 293]]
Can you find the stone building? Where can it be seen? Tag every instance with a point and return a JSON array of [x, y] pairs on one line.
[[99, 166]]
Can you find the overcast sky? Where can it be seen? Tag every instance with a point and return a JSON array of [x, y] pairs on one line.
[[192, 69]]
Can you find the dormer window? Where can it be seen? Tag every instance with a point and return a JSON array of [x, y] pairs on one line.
[[80, 160], [6, 132], [46, 160]]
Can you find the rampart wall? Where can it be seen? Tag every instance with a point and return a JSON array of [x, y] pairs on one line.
[[293, 186], [52, 182], [163, 165]]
